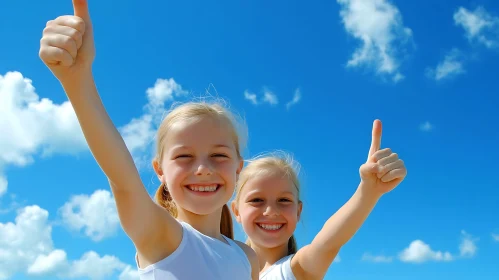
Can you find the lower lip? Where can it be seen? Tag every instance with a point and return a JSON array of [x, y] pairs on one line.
[[271, 230], [204, 193]]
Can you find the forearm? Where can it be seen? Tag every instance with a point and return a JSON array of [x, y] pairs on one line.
[[104, 140], [343, 225]]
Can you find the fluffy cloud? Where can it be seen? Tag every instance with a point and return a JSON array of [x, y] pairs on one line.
[[379, 27], [95, 214], [451, 66], [139, 133], [26, 246], [31, 125], [479, 26], [419, 252], [251, 97]]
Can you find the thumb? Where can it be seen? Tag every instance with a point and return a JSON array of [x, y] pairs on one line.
[[80, 8], [376, 138]]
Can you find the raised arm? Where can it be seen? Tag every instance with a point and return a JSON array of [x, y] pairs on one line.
[[67, 48], [382, 172]]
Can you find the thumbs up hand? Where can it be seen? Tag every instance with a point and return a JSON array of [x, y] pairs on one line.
[[383, 170], [67, 44]]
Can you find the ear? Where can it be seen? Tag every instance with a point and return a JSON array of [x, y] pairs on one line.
[[240, 167], [300, 207], [157, 169], [235, 211]]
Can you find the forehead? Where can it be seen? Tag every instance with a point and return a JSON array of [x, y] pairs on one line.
[[269, 184], [199, 132]]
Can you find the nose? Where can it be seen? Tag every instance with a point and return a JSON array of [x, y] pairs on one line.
[[271, 210], [203, 168]]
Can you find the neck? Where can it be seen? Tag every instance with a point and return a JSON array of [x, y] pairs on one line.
[[269, 256], [208, 225]]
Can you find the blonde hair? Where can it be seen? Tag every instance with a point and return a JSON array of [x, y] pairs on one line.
[[276, 163], [194, 111]]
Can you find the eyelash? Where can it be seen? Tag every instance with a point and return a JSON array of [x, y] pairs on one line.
[[260, 200]]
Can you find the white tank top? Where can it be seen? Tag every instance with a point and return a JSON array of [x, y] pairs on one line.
[[200, 257], [281, 270]]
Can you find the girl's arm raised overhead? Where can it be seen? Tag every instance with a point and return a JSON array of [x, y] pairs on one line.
[[67, 48], [382, 172]]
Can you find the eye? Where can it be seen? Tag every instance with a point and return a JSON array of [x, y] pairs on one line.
[[220, 155], [256, 200], [285, 200], [183, 156]]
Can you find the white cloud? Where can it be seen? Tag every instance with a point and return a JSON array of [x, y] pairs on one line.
[[479, 26], [129, 274], [467, 248], [26, 246], [452, 65], [419, 252], [139, 133], [426, 126], [376, 259], [31, 125], [295, 100], [495, 237], [45, 264], [251, 97], [378, 25], [95, 214], [270, 97]]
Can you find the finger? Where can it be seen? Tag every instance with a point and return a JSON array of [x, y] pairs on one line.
[[80, 8], [370, 167], [70, 21], [383, 170], [396, 174], [61, 41], [55, 56], [385, 159], [381, 154], [376, 138], [68, 31]]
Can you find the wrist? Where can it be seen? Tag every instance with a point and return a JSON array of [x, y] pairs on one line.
[[78, 82], [368, 193]]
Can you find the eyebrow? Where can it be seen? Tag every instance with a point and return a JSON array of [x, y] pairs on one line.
[[259, 192], [184, 147]]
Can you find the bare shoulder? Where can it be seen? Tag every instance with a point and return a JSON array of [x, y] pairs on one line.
[[253, 259]]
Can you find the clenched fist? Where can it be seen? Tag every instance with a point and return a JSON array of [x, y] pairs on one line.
[[67, 44], [383, 170]]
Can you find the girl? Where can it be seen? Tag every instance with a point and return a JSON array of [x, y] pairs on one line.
[[268, 206], [197, 162]]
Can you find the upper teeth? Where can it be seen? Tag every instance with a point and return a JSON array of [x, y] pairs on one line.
[[271, 227], [210, 188]]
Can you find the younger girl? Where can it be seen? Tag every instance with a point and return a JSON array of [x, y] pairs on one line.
[[268, 206], [197, 162]]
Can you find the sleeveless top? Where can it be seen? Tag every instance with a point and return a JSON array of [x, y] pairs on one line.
[[281, 270], [200, 257]]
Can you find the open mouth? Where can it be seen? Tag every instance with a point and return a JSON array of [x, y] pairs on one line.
[[270, 227], [204, 189]]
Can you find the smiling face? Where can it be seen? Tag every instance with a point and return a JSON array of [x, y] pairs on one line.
[[199, 164], [268, 209]]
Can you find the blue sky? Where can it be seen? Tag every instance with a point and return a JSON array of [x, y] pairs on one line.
[[425, 68]]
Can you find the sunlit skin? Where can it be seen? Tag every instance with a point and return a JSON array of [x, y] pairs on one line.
[[200, 154], [267, 202]]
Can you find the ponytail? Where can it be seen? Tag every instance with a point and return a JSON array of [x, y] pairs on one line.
[[164, 199], [292, 247], [226, 227]]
